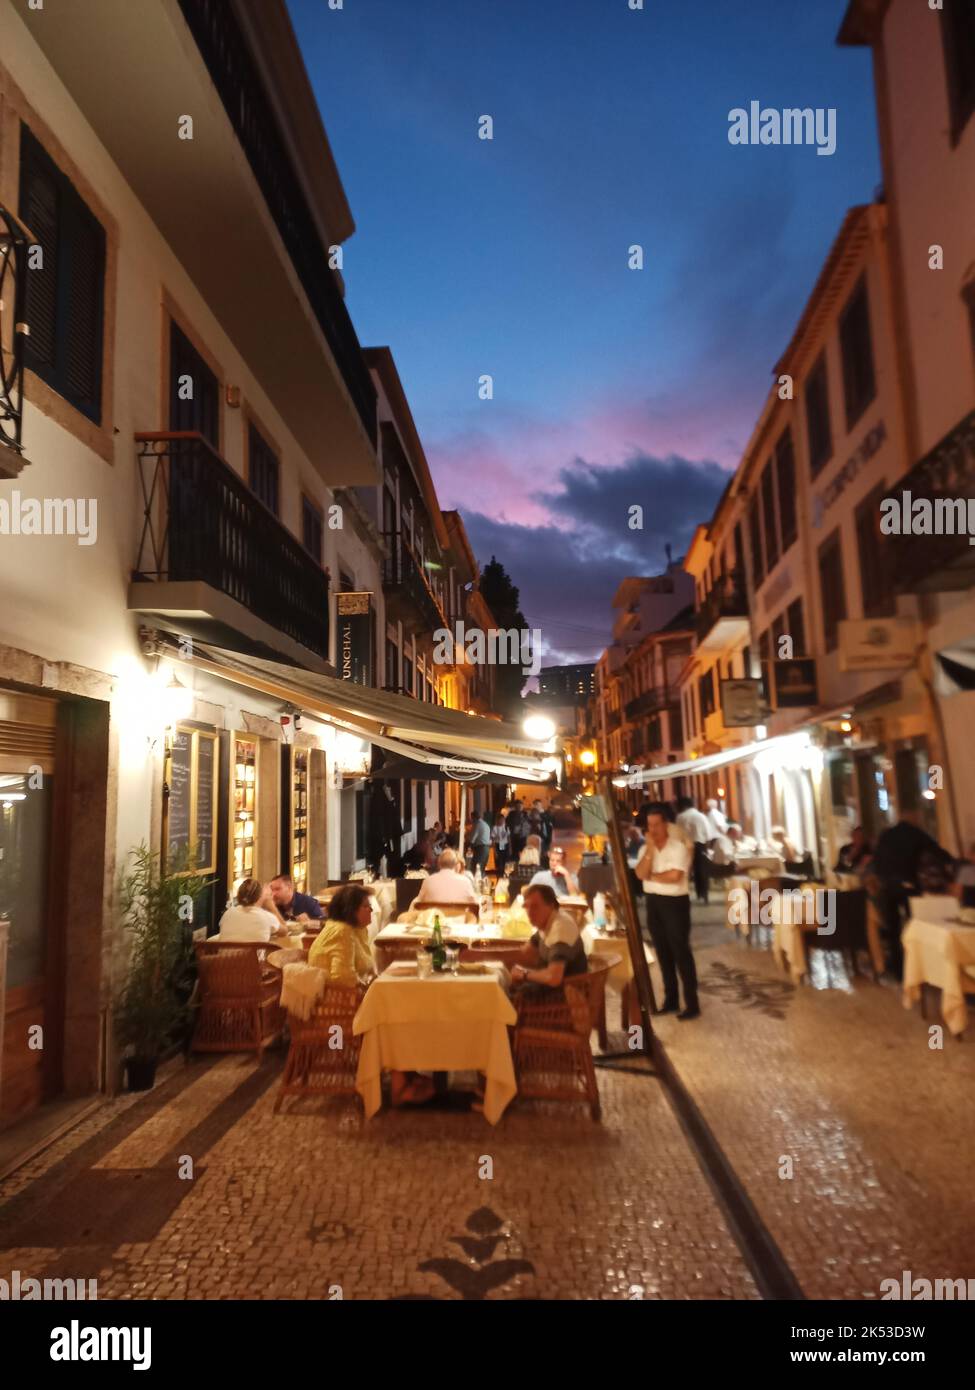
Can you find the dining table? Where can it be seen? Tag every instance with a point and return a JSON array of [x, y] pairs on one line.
[[600, 941], [939, 950], [397, 938], [443, 1022]]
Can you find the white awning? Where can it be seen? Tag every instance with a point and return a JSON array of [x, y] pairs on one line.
[[410, 728], [788, 750]]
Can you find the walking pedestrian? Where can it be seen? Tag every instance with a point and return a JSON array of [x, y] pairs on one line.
[[663, 867]]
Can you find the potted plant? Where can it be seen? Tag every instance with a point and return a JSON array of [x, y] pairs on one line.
[[152, 1007]]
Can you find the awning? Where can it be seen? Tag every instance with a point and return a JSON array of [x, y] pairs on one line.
[[412, 729], [955, 669], [780, 745]]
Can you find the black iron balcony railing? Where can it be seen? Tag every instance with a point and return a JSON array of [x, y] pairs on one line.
[[236, 76], [14, 241], [405, 579], [203, 524], [727, 599], [945, 477], [613, 720], [650, 701]]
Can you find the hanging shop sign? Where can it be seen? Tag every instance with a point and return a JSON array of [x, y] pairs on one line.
[[742, 703], [876, 644], [795, 683], [355, 637]]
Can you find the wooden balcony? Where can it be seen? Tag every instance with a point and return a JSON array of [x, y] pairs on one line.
[[410, 597], [215, 560], [723, 618]]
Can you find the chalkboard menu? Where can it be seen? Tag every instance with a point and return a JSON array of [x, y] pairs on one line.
[[180, 794], [206, 806], [192, 806]]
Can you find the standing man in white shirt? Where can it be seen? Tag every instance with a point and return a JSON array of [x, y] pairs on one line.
[[663, 867], [696, 824], [717, 817]]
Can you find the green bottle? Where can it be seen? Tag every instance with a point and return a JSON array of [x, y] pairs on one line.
[[438, 952]]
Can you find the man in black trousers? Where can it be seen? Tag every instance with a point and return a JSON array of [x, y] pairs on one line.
[[663, 868]]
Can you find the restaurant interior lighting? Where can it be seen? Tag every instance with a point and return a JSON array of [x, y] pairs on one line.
[[587, 757], [539, 727], [846, 726]]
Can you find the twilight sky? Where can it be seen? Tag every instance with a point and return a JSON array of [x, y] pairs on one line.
[[612, 386]]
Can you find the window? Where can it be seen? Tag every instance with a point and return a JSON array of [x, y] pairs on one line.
[[831, 588], [407, 675], [263, 469], [392, 665], [876, 583], [194, 392], [346, 582], [958, 38], [65, 298], [755, 537], [796, 628], [819, 432], [785, 477], [705, 690], [311, 529], [765, 657], [655, 731], [675, 731], [859, 386], [768, 513]]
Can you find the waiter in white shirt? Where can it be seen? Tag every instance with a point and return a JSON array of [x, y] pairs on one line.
[[698, 827], [663, 867], [716, 817]]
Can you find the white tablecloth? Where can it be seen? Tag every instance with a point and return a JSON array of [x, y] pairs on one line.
[[937, 951], [443, 1023]]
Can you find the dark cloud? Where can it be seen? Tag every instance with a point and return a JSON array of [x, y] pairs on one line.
[[567, 573]]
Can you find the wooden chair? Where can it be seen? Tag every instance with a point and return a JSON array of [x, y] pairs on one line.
[[552, 1051], [239, 1008], [317, 1065]]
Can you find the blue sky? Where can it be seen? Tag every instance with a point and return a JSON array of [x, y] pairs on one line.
[[509, 256]]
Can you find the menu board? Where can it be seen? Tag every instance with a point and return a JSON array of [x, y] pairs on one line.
[[180, 793], [205, 800], [192, 798]]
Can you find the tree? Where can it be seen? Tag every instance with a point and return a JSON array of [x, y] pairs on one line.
[[502, 597]]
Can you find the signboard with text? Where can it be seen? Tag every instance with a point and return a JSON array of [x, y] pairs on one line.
[[355, 637], [877, 644], [795, 683], [742, 703]]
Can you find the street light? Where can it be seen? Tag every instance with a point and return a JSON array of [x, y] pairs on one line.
[[587, 757], [537, 726]]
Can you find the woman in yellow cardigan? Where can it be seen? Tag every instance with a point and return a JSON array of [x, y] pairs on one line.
[[341, 948]]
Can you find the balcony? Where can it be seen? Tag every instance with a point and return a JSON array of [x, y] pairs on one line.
[[215, 560], [410, 597], [613, 720], [249, 206], [650, 701], [14, 240], [946, 478], [722, 618]]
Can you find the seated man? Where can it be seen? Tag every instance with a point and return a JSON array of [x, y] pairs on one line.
[[447, 885], [556, 876], [294, 907], [555, 950]]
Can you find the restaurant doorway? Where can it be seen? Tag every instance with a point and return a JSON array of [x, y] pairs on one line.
[[33, 998]]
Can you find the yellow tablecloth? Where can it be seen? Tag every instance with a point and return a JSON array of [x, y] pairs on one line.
[[937, 952], [444, 1023], [622, 973]]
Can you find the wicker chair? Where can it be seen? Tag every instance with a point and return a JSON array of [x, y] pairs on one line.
[[239, 1009], [552, 1052], [315, 1065]]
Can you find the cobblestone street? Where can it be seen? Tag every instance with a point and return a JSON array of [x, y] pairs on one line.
[[293, 1205], [315, 1200]]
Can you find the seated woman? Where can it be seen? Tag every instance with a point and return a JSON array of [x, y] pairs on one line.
[[532, 853], [855, 856], [341, 948], [253, 916]]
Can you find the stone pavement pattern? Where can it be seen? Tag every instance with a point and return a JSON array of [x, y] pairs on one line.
[[293, 1205], [879, 1126]]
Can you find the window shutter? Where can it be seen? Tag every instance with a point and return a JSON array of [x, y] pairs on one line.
[[39, 210], [81, 330]]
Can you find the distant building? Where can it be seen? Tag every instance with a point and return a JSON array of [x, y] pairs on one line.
[[572, 683]]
